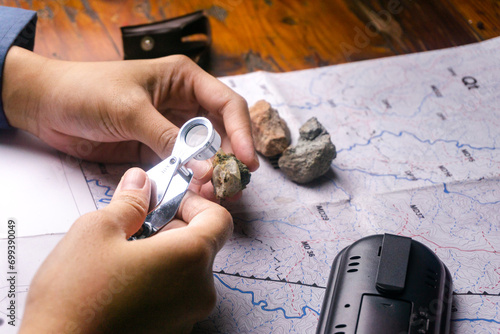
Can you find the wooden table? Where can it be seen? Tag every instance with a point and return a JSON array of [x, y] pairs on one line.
[[271, 35]]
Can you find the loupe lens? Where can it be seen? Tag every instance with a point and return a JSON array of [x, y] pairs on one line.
[[196, 135], [197, 139]]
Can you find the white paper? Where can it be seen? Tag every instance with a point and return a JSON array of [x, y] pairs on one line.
[[43, 190]]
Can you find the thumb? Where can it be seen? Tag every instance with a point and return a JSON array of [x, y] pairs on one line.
[[130, 202]]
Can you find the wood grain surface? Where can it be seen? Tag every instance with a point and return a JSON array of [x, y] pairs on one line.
[[272, 35]]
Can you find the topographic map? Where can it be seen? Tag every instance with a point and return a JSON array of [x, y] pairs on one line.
[[418, 155]]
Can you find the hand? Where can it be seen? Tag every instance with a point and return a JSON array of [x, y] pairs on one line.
[[124, 111], [96, 281]]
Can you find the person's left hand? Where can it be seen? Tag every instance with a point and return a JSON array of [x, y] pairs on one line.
[[123, 111], [95, 281]]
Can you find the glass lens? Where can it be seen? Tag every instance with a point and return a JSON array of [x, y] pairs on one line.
[[196, 135]]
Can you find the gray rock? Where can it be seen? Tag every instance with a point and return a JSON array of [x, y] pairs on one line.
[[311, 157]]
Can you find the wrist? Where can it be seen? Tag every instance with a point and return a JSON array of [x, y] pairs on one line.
[[22, 87]]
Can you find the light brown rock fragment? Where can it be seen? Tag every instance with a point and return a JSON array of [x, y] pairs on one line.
[[229, 176], [270, 132]]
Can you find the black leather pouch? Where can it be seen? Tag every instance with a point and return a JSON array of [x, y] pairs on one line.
[[188, 35]]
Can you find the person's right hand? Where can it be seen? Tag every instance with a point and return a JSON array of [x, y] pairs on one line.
[[96, 281]]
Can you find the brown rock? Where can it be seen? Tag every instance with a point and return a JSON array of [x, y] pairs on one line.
[[270, 132]]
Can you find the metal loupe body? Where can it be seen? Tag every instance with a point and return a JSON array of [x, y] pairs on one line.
[[196, 139]]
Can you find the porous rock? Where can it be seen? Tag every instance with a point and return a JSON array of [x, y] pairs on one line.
[[311, 157], [270, 132], [229, 176]]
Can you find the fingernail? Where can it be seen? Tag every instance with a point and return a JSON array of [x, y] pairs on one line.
[[255, 162], [207, 168], [256, 159], [134, 178]]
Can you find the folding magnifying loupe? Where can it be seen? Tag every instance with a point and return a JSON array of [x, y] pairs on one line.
[[197, 139]]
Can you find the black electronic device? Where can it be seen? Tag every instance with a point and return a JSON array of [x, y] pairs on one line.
[[387, 284]]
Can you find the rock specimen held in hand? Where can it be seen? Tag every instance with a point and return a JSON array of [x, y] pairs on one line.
[[311, 157], [270, 132], [229, 176]]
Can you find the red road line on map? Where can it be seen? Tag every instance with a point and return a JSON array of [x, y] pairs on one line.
[[293, 299], [489, 243]]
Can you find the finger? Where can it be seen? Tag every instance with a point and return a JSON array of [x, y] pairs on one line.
[[202, 171], [111, 152], [207, 191], [204, 190], [206, 221], [217, 98], [235, 197], [130, 202], [207, 218], [153, 129], [175, 223], [196, 85]]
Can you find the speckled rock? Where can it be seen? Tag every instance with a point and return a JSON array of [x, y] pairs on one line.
[[311, 157], [229, 176], [270, 132]]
